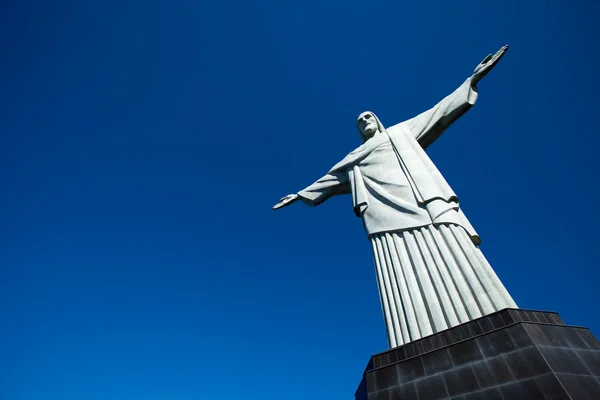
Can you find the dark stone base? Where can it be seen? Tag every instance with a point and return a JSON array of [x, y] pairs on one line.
[[509, 355]]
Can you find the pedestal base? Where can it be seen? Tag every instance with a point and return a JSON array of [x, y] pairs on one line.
[[509, 355]]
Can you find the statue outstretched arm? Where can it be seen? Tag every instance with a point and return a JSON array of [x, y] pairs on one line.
[[328, 186], [429, 125]]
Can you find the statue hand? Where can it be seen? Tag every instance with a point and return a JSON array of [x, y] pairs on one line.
[[487, 64], [286, 201]]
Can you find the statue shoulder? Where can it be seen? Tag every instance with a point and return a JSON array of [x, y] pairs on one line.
[[359, 149], [354, 157], [403, 128]]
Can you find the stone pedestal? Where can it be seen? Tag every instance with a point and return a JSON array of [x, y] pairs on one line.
[[509, 355]]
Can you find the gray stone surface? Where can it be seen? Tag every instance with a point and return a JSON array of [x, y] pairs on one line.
[[511, 354], [430, 274]]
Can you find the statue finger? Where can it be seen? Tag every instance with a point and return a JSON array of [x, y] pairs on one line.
[[479, 68], [502, 51], [279, 205]]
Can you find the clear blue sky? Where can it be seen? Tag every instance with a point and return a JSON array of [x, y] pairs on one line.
[[143, 144]]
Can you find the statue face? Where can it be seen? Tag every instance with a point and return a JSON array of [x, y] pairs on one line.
[[367, 124]]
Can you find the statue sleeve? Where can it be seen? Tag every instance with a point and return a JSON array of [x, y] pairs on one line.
[[429, 125], [332, 184]]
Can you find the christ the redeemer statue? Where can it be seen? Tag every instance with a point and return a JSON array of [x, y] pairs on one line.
[[430, 273]]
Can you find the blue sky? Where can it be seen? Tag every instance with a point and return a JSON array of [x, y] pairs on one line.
[[143, 144]]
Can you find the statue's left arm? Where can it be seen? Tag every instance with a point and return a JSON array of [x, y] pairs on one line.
[[429, 125]]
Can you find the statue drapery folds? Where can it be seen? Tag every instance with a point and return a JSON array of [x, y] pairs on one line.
[[431, 275]]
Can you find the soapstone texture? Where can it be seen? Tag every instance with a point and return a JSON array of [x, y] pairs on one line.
[[430, 273]]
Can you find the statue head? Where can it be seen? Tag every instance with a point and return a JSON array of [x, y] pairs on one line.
[[368, 125]]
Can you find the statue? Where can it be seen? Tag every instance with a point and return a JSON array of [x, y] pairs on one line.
[[430, 272]]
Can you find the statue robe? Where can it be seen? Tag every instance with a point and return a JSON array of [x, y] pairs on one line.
[[431, 275]]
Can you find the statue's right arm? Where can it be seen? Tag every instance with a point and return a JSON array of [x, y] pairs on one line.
[[330, 185], [335, 182]]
